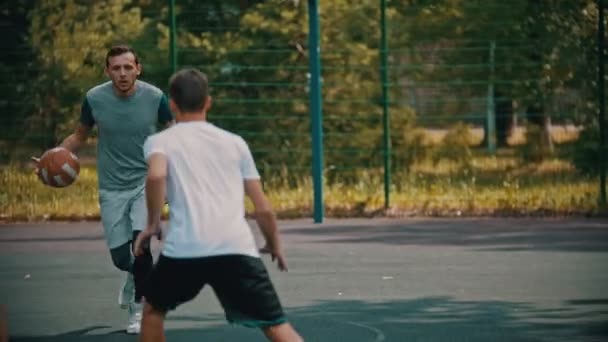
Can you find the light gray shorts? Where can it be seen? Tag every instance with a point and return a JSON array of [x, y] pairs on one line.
[[122, 212]]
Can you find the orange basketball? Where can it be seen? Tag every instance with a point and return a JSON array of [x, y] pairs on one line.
[[58, 167]]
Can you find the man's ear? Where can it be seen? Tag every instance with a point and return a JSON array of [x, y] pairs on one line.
[[208, 103], [173, 106], [139, 69]]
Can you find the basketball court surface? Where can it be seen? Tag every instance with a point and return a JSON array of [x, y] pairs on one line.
[[356, 280]]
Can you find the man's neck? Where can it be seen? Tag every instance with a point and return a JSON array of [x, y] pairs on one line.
[[195, 116], [127, 93]]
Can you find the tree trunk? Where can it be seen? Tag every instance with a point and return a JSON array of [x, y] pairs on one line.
[[538, 118]]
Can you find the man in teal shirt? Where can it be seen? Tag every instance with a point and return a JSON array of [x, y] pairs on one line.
[[126, 111]]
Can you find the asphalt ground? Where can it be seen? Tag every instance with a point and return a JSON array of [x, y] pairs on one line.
[[353, 280]]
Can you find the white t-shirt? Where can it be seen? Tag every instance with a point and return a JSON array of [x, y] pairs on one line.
[[205, 190]]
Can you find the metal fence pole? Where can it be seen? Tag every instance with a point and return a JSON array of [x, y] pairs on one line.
[[316, 114], [385, 113], [172, 37], [491, 104], [601, 99]]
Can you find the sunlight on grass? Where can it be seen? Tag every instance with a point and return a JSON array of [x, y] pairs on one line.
[[24, 197], [495, 186], [559, 133]]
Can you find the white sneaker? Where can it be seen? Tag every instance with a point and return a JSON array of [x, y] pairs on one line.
[[134, 324], [127, 292]]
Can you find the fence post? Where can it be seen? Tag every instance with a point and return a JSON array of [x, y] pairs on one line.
[[385, 113], [602, 100], [491, 106], [316, 114], [172, 37]]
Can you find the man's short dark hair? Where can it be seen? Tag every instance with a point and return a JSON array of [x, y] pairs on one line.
[[118, 50], [189, 89]]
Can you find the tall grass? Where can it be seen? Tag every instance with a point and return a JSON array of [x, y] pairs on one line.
[[493, 186], [24, 197]]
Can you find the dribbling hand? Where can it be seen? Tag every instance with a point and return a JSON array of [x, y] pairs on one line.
[[36, 161]]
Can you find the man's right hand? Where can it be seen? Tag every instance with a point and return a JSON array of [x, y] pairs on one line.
[[36, 162], [276, 254]]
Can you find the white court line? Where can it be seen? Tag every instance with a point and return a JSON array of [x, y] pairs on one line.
[[379, 334]]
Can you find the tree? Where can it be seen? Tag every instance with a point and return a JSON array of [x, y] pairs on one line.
[[542, 48], [70, 39], [259, 78], [256, 53], [15, 69]]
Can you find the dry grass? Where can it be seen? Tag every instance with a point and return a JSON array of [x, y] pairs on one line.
[[495, 186], [24, 197]]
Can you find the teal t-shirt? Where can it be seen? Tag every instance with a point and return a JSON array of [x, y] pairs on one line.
[[123, 124]]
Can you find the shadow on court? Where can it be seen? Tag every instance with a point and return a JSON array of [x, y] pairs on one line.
[[438, 285], [490, 235], [424, 319]]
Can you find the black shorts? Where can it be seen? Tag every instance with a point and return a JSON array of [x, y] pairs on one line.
[[240, 282]]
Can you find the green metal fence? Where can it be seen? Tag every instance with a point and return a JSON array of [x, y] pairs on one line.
[[405, 95]]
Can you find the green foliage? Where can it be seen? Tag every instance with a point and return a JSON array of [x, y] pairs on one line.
[[70, 39], [256, 54], [542, 46], [409, 141], [585, 154], [75, 36], [16, 71], [537, 146], [455, 147]]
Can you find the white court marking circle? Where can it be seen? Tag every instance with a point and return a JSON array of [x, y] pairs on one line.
[[379, 334]]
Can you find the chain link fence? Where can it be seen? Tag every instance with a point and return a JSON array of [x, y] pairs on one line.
[[476, 95]]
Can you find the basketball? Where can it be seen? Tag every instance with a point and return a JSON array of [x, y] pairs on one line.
[[58, 167]]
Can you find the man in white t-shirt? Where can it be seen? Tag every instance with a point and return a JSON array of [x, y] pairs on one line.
[[205, 172]]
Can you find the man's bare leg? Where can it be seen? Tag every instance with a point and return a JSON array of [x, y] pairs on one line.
[[282, 333], [152, 325], [3, 324]]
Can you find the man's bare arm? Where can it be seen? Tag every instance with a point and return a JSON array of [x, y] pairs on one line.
[[155, 199], [156, 187], [75, 140], [72, 142], [265, 217]]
